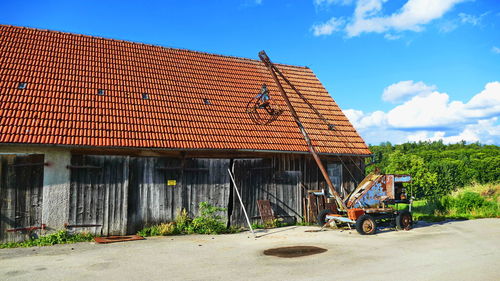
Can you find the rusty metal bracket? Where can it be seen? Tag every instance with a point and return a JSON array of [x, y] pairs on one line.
[[31, 228]]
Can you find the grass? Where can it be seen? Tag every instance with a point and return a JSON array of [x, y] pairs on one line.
[[60, 237], [471, 202]]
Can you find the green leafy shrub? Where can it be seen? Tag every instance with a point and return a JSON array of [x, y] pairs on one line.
[[60, 237], [468, 201], [149, 231], [209, 221]]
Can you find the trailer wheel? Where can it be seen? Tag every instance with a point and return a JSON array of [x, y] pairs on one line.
[[366, 225], [404, 220], [322, 216]]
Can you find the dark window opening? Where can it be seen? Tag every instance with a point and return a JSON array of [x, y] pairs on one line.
[[100, 92], [145, 96], [22, 85], [206, 101]]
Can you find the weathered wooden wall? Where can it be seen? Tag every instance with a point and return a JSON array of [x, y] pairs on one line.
[[262, 179], [154, 200], [99, 194], [21, 195], [122, 194]]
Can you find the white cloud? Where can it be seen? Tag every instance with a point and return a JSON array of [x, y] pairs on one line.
[[412, 16], [432, 116], [400, 91], [463, 19], [360, 120], [430, 111], [327, 28], [368, 16], [484, 131], [495, 50], [390, 36], [471, 19]]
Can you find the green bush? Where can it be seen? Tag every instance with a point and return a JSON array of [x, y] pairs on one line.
[[468, 201], [209, 222], [60, 237]]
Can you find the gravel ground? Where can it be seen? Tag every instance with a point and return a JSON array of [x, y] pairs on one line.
[[453, 250]]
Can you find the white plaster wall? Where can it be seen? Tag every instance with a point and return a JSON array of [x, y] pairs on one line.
[[56, 179]]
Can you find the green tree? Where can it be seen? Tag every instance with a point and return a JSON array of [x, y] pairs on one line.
[[423, 180]]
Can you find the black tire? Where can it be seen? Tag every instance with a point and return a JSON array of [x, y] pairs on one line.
[[404, 220], [366, 225], [322, 216]]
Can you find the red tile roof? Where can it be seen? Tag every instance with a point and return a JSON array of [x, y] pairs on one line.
[[60, 104]]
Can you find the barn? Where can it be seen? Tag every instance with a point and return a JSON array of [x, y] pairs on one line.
[[107, 136]]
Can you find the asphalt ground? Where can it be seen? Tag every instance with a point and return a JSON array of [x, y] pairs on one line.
[[452, 250]]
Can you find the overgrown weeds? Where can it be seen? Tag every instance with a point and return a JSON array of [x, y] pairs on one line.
[[210, 221], [60, 237]]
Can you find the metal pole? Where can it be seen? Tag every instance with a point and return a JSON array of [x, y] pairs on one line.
[[241, 201], [267, 62]]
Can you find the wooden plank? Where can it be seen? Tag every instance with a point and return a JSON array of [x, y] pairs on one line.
[[105, 230]]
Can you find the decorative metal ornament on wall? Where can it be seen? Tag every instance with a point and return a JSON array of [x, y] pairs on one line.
[[262, 109]]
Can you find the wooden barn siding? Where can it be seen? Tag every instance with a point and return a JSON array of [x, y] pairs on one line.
[[99, 196], [99, 193], [21, 195], [273, 179], [353, 172], [262, 179], [153, 201]]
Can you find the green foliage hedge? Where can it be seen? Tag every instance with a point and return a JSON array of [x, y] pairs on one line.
[[439, 169]]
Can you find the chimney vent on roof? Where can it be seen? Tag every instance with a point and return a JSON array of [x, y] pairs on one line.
[[100, 92], [22, 85]]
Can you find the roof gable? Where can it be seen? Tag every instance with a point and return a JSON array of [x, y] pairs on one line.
[[61, 103]]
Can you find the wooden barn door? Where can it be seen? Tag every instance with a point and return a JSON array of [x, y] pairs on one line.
[[99, 194], [260, 179], [155, 191], [21, 195], [161, 187]]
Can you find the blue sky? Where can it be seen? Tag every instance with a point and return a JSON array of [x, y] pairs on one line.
[[402, 70]]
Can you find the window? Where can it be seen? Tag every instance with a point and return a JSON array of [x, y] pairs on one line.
[[100, 92], [22, 85], [206, 101], [145, 96]]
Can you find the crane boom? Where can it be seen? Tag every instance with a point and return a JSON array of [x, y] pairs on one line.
[[274, 73]]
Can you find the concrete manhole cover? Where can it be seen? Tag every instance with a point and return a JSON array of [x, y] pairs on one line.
[[294, 251]]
